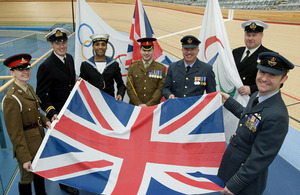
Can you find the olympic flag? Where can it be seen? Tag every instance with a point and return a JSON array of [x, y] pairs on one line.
[[88, 23], [215, 50]]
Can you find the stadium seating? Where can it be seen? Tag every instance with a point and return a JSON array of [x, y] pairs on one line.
[[244, 4]]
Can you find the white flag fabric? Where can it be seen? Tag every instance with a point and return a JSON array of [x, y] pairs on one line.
[[215, 50], [88, 23]]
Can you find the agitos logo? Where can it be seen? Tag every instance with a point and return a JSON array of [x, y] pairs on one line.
[[222, 80]]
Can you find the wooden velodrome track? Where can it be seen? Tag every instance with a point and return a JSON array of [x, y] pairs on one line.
[[283, 34]]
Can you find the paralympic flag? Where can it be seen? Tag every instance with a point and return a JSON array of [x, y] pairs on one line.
[[88, 23], [216, 51], [141, 28], [110, 147]]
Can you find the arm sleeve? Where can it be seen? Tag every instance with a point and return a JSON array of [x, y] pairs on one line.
[[44, 83], [120, 83], [133, 97], [211, 82], [166, 91], [15, 130]]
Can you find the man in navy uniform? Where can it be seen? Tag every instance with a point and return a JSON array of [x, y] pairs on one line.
[[261, 131], [246, 57], [146, 77], [189, 76], [56, 79], [102, 71]]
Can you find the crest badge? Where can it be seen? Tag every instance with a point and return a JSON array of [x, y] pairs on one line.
[[272, 62], [23, 61], [58, 33], [252, 25]]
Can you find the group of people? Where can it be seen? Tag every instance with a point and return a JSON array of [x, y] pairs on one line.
[[262, 127]]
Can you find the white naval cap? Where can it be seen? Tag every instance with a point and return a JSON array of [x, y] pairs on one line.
[[57, 34], [254, 26], [99, 37]]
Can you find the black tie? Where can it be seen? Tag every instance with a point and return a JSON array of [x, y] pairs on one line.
[[255, 102], [66, 63], [246, 57], [187, 69]]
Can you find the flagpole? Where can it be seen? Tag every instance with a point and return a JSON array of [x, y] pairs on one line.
[[73, 16]]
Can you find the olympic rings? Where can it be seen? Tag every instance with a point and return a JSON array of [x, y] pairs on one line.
[[82, 25], [88, 43]]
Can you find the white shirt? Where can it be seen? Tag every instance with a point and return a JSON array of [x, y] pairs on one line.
[[60, 57], [251, 52], [100, 66]]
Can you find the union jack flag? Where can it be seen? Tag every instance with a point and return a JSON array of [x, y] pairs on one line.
[[106, 146], [141, 28]]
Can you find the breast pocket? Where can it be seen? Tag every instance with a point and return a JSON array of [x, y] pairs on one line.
[[30, 113]]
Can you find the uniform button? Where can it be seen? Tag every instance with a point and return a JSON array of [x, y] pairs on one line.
[[234, 134], [241, 124], [185, 86], [69, 85], [184, 95], [244, 78], [173, 81], [144, 95], [29, 109], [144, 87], [145, 81], [186, 78], [145, 73], [246, 115]]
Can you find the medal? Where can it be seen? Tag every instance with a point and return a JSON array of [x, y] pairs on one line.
[[253, 122], [197, 80]]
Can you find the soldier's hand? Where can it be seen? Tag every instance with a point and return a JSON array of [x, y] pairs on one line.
[[226, 191], [48, 124], [172, 96], [54, 117], [225, 96], [27, 166], [245, 90], [119, 97]]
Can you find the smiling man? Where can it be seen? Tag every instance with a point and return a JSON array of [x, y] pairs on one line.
[[189, 76], [261, 131], [101, 70], [146, 77], [246, 57], [56, 79]]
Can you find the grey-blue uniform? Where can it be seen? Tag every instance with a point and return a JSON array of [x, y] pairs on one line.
[[198, 79], [259, 135]]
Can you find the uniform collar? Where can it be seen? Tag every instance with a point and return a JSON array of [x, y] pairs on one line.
[[24, 88], [59, 57]]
